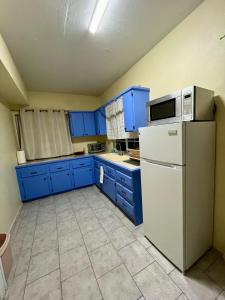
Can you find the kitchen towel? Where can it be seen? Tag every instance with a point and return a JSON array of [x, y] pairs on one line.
[[101, 178]]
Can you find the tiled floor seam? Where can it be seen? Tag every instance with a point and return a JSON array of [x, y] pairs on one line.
[[169, 275], [124, 266], [207, 275], [89, 259], [60, 277], [30, 256]]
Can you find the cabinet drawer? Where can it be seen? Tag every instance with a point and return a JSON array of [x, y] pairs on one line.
[[124, 179], [84, 162], [110, 172], [125, 193], [125, 206], [34, 170], [109, 188], [55, 167]]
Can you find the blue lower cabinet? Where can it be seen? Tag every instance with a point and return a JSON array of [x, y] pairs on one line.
[[123, 186], [110, 171], [61, 181], [125, 193], [109, 188], [125, 206], [124, 179], [120, 184], [35, 187], [83, 176]]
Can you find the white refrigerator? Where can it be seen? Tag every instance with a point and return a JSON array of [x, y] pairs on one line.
[[177, 175]]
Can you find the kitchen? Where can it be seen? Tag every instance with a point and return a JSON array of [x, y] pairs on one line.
[[79, 211]]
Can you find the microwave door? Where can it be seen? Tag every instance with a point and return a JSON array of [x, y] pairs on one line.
[[166, 109], [163, 110]]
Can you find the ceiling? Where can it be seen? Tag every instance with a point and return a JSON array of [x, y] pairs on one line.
[[53, 50]]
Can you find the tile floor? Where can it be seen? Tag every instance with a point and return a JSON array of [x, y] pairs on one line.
[[78, 245]]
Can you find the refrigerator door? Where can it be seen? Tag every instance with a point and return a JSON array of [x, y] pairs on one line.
[[163, 143], [163, 204]]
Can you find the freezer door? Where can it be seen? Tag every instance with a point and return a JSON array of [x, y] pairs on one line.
[[163, 143], [163, 198]]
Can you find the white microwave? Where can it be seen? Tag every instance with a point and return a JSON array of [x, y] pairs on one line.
[[189, 104]]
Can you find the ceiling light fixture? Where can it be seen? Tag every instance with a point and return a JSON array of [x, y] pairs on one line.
[[97, 16]]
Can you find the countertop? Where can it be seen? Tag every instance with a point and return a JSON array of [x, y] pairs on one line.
[[118, 159], [111, 157]]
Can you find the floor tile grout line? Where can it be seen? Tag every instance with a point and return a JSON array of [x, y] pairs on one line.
[[60, 275], [30, 255], [117, 266], [91, 263], [27, 284], [123, 246], [174, 282], [125, 267], [117, 250]]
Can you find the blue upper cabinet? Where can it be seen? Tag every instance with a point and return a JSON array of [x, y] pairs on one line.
[[100, 121], [82, 124], [76, 124], [89, 123], [134, 106]]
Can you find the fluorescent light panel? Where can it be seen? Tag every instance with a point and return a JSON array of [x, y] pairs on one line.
[[98, 14]]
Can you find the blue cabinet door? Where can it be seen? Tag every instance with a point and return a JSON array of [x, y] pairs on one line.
[[109, 188], [76, 124], [102, 121], [83, 176], [36, 186], [61, 181], [140, 99], [128, 109], [135, 111], [97, 127], [89, 123]]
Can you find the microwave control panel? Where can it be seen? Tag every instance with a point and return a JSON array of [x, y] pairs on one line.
[[187, 105]]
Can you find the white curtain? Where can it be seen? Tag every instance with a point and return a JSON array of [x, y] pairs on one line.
[[45, 133], [115, 120]]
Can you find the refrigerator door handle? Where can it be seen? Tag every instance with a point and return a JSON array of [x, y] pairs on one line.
[[155, 162]]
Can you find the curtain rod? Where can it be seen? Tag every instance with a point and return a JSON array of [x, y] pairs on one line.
[[54, 110]]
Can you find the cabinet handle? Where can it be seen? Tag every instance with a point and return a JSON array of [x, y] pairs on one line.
[[59, 168], [32, 173], [133, 127], [81, 164], [45, 178], [68, 174]]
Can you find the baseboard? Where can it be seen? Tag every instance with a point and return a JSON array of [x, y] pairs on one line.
[[14, 220]]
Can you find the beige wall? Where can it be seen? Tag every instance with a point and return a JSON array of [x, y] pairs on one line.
[[63, 101], [191, 54], [9, 195], [67, 102], [10, 77]]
